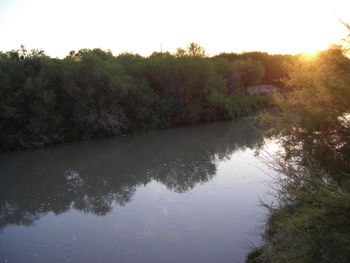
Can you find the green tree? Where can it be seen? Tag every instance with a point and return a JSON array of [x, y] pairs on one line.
[[193, 49], [245, 72]]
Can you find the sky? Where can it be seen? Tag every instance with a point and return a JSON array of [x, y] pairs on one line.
[[144, 26]]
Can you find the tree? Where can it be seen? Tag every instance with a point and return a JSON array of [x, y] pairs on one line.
[[311, 220], [245, 72], [194, 49]]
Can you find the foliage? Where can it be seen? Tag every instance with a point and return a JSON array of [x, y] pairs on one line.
[[193, 50], [246, 72], [185, 84], [91, 93], [310, 222], [274, 65], [255, 256], [239, 74], [314, 112]]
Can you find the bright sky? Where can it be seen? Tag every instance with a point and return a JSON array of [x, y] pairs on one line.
[[140, 26]]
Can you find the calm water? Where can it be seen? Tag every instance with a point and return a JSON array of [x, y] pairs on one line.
[[187, 194]]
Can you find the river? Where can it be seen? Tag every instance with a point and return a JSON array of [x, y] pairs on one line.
[[185, 194]]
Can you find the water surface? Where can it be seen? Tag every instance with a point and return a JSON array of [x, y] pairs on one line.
[[186, 194]]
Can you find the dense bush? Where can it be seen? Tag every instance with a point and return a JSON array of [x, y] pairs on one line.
[[310, 222], [274, 65], [92, 93]]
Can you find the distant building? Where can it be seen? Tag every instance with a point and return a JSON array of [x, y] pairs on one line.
[[261, 90]]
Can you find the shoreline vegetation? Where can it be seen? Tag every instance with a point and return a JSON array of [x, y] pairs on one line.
[[92, 93], [309, 221]]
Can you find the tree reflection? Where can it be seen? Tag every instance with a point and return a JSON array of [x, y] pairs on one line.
[[94, 176]]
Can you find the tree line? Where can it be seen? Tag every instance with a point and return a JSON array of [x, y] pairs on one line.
[[92, 93]]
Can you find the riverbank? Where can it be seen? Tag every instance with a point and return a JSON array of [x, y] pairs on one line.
[[231, 108], [92, 93]]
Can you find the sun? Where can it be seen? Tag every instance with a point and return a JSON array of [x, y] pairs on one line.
[[310, 55]]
